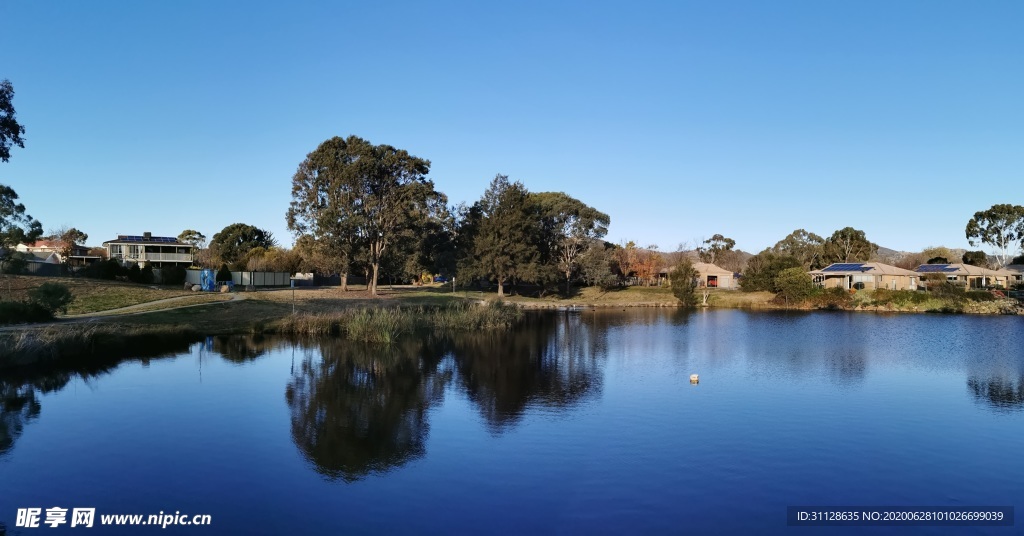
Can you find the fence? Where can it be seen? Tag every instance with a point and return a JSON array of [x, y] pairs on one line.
[[246, 279]]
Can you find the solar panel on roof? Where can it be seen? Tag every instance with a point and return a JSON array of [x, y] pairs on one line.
[[845, 267], [935, 268]]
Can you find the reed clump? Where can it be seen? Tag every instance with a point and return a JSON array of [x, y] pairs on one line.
[[54, 343], [388, 324]]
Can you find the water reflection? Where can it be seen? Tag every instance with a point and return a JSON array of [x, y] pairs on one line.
[[358, 409], [1002, 393], [18, 406], [550, 363]]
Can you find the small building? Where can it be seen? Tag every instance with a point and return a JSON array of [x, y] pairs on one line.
[[710, 276], [865, 276], [967, 275], [50, 251], [157, 251]]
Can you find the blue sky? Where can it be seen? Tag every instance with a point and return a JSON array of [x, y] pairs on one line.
[[678, 119]]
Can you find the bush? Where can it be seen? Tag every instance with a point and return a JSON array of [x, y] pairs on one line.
[[833, 298], [146, 275], [15, 263], [684, 283], [904, 297], [172, 275], [980, 296], [107, 269], [52, 297], [881, 296], [794, 284], [224, 274], [12, 312], [135, 273]]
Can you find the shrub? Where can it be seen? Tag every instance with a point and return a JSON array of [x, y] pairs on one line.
[[135, 273], [52, 297], [146, 275], [881, 296], [172, 275], [684, 283], [107, 269], [904, 297], [794, 284], [12, 312], [15, 263], [980, 296], [833, 298], [224, 274]]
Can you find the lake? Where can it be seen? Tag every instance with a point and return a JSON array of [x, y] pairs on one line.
[[579, 422]]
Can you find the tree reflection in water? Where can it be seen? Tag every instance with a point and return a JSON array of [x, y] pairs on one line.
[[358, 409], [18, 406], [550, 363], [1003, 393]]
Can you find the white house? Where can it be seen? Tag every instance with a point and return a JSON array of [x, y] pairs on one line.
[[152, 250]]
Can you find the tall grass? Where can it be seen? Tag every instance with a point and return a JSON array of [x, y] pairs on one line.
[[387, 325]]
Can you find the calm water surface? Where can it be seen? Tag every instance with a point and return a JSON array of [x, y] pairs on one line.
[[577, 423]]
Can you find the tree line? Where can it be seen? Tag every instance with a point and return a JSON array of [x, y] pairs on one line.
[[370, 210]]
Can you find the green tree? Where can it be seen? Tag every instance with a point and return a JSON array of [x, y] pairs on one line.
[[1001, 227], [16, 226], [569, 226], [68, 238], [236, 240], [937, 260], [713, 247], [848, 245], [193, 238], [684, 279], [505, 242], [794, 284], [350, 194], [596, 264], [763, 269], [10, 130], [808, 248]]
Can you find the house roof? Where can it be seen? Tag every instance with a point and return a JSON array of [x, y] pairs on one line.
[[708, 268], [858, 268], [960, 269], [139, 239], [1017, 269], [44, 243]]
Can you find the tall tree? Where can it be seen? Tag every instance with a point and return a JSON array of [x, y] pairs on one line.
[[236, 240], [10, 130], [16, 226], [67, 238], [569, 226], [713, 247], [353, 194], [193, 238], [808, 248], [684, 278], [848, 245], [763, 268], [505, 242], [1001, 227]]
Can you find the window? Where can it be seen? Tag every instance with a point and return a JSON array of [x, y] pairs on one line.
[[116, 251], [133, 252]]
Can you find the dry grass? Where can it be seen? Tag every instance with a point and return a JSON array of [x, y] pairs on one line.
[[91, 295]]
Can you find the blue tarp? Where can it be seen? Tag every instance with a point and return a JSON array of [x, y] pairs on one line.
[[208, 280]]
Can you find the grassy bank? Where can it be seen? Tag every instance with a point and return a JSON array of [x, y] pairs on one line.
[[90, 295], [53, 344]]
